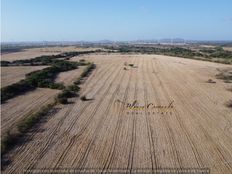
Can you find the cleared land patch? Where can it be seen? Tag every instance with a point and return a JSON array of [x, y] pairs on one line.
[[13, 74], [69, 77], [35, 52], [101, 133]]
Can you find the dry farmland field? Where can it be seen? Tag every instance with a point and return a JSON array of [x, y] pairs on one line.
[[142, 112], [10, 75], [35, 52], [69, 77], [22, 106]]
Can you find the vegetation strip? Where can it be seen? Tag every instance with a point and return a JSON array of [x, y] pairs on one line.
[[45, 60], [72, 90], [42, 78], [217, 54], [11, 138]]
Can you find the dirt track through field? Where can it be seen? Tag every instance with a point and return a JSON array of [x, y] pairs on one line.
[[100, 133]]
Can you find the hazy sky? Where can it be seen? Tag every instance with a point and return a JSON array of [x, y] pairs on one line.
[[72, 20]]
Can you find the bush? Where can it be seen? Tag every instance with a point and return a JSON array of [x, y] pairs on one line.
[[229, 103], [74, 88], [83, 98], [78, 81], [29, 122], [64, 95], [225, 75], [210, 81], [87, 70], [8, 141], [63, 100], [5, 63], [15, 89], [57, 86]]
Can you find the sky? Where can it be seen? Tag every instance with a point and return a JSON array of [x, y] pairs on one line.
[[116, 20]]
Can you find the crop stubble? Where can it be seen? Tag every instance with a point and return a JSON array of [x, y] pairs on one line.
[[96, 134]]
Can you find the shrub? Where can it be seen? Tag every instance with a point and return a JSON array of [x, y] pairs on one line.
[[63, 100], [74, 88], [87, 70], [15, 89], [230, 89], [57, 86], [29, 122], [64, 95], [229, 103], [5, 63], [210, 81], [131, 65], [8, 141], [78, 81], [225, 75], [83, 98]]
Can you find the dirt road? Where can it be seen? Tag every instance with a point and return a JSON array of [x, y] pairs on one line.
[[101, 133]]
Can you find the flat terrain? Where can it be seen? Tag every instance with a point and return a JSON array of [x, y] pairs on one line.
[[35, 52], [23, 106], [227, 48], [10, 75], [68, 77], [101, 133], [27, 54]]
